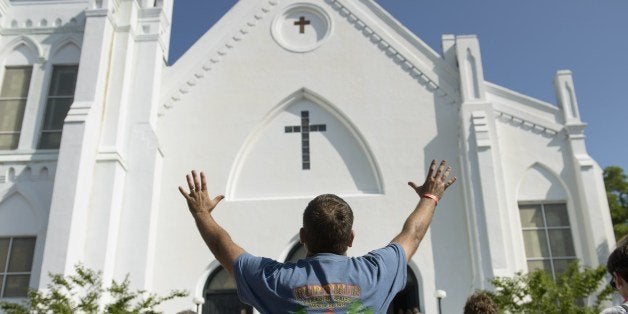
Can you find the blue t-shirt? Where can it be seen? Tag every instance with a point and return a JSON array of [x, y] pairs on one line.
[[323, 283]]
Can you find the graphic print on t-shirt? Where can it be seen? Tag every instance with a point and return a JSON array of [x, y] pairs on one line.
[[330, 296]]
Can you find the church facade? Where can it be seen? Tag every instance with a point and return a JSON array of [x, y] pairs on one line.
[[279, 101]]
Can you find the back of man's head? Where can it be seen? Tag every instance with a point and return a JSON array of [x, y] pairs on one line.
[[618, 262], [480, 303], [327, 223]]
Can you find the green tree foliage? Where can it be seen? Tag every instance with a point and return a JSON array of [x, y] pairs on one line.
[[83, 292], [537, 292], [616, 183]]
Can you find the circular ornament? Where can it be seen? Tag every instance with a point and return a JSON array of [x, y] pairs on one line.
[[302, 27]]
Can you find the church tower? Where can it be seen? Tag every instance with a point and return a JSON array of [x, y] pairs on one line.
[[89, 70]]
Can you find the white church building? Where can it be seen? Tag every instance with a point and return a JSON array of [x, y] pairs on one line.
[[281, 100]]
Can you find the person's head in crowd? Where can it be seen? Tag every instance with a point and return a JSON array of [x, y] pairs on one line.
[[480, 303], [617, 266], [623, 241]]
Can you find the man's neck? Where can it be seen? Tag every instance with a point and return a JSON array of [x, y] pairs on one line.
[[312, 254]]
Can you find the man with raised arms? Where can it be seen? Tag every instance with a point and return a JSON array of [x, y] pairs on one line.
[[326, 280]]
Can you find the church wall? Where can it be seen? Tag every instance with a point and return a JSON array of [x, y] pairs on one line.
[[524, 148], [39, 36], [402, 123]]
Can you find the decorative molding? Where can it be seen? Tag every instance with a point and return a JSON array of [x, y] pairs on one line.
[[479, 121], [397, 57], [26, 41], [27, 171], [71, 39], [44, 25], [525, 124], [111, 155], [20, 157], [79, 110]]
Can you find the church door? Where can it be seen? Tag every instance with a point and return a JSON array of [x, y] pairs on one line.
[[221, 296]]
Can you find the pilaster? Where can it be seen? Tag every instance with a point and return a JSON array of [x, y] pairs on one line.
[[448, 46], [70, 207], [488, 217], [470, 67], [590, 196], [138, 221]]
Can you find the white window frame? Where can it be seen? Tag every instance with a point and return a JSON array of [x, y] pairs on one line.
[[5, 272], [25, 99], [546, 229]]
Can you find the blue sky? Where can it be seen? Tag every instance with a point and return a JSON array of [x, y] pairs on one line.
[[523, 44]]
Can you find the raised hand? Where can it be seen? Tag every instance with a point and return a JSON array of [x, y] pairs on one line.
[[436, 182], [198, 198]]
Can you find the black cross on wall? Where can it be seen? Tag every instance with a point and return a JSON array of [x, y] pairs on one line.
[[305, 128]]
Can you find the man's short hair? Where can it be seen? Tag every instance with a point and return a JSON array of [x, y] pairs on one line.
[[618, 262], [480, 303], [327, 223]]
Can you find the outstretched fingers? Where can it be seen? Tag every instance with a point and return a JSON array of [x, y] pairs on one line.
[[440, 170], [203, 182], [184, 193], [197, 182], [190, 182], [450, 182], [218, 198], [446, 174], [413, 185], [430, 173]]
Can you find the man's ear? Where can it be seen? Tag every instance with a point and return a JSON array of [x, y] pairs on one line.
[[351, 238], [619, 281], [302, 236]]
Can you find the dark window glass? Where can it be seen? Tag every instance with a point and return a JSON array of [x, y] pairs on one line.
[[221, 296], [60, 98], [13, 95], [16, 262], [407, 300]]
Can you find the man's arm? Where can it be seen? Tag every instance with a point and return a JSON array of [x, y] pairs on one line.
[[419, 220], [201, 207]]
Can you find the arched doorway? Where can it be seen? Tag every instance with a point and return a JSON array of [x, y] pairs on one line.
[[221, 295], [296, 253], [406, 301]]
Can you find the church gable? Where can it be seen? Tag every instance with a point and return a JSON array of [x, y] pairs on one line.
[[301, 28]]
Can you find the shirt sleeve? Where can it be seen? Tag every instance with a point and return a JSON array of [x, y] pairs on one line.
[[247, 270], [614, 310], [393, 269]]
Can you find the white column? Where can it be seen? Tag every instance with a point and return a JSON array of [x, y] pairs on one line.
[[590, 196], [488, 216], [138, 223], [35, 107], [70, 207]]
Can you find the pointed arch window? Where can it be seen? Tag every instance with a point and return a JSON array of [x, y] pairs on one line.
[[221, 295], [547, 236], [60, 97], [13, 96]]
